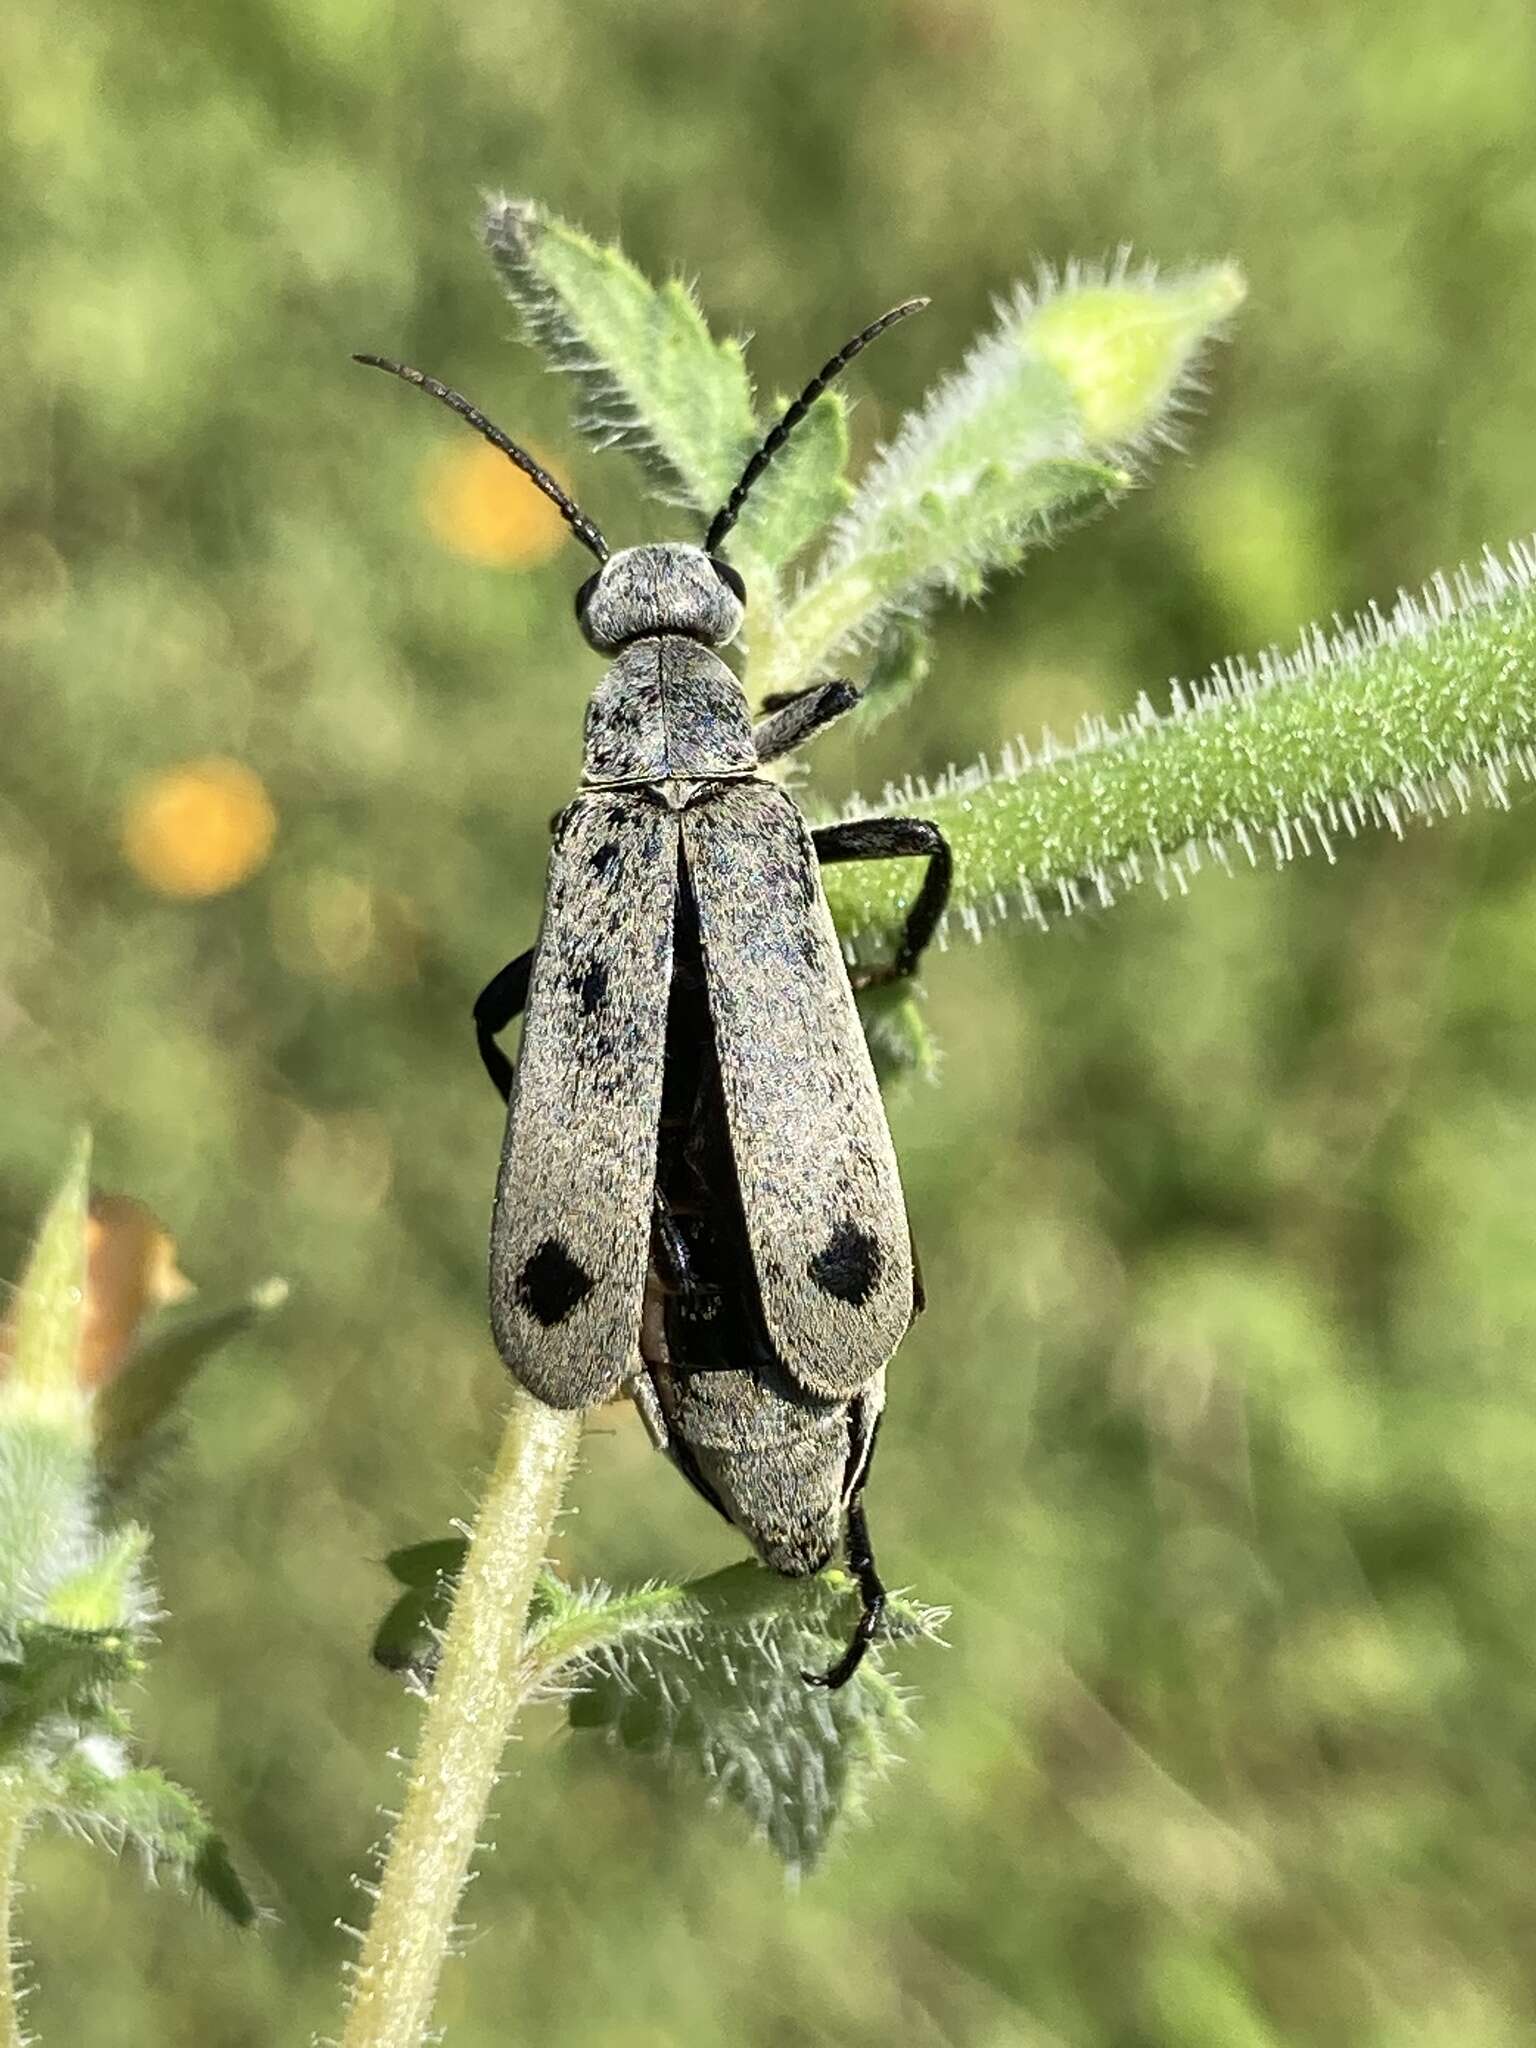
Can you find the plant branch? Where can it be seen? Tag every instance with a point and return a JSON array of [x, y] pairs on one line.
[[485, 1674], [1414, 714], [15, 1811]]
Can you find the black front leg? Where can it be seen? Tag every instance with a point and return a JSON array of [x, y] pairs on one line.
[[799, 715], [895, 839], [497, 1004]]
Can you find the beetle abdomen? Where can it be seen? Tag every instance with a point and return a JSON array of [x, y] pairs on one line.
[[777, 1466]]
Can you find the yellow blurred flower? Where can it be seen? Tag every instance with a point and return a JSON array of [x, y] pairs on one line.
[[199, 828], [479, 506]]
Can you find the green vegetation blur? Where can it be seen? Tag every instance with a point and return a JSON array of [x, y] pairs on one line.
[[1220, 1433]]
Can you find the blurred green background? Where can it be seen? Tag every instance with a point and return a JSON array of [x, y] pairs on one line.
[[1220, 1435]]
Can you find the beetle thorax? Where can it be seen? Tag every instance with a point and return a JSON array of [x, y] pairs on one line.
[[667, 710]]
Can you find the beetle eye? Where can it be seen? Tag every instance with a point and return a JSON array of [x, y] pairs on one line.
[[729, 578], [584, 595]]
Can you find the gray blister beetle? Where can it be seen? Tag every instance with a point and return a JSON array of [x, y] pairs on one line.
[[698, 1203]]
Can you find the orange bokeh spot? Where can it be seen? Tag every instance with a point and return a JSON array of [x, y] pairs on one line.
[[131, 1271], [478, 506], [198, 829]]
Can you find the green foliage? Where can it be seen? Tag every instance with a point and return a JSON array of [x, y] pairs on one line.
[[899, 666], [800, 491], [1035, 427], [40, 1384], [1257, 1573], [75, 1601], [653, 379], [1409, 717], [703, 1677], [718, 1694], [1408, 714], [407, 1639], [651, 375], [92, 1792]]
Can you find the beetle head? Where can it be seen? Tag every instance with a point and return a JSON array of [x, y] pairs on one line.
[[662, 587]]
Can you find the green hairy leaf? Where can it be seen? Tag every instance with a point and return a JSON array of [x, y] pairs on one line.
[[59, 1671], [407, 1639], [1040, 423], [1415, 714], [705, 1676], [652, 377], [144, 1810], [902, 662], [106, 1589], [48, 1533], [655, 381], [721, 1696], [798, 494], [1043, 422]]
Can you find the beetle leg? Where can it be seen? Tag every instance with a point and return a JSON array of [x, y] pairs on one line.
[[502, 999], [673, 1259], [643, 1394], [861, 1561], [894, 839], [798, 715]]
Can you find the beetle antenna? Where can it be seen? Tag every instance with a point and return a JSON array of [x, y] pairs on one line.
[[726, 517], [577, 520]]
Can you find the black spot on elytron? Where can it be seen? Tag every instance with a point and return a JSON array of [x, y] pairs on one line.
[[592, 987], [551, 1284], [848, 1264], [605, 856]]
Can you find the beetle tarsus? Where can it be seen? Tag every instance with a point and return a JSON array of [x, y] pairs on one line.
[[895, 839], [861, 1559]]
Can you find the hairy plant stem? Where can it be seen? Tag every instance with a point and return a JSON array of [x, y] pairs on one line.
[[15, 1811], [483, 1678]]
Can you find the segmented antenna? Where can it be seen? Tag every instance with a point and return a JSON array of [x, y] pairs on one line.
[[726, 517], [570, 511]]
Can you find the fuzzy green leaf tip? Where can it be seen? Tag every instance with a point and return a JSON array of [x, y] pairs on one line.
[[41, 1382], [655, 381], [97, 1794], [1411, 715], [1043, 421], [1124, 348], [651, 376]]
